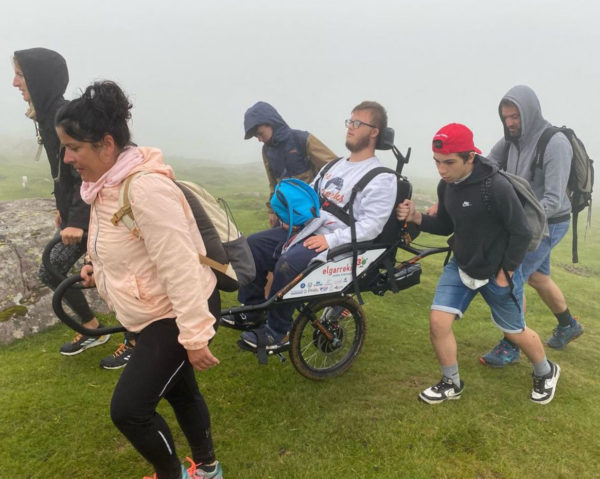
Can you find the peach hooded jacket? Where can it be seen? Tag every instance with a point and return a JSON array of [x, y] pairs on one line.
[[160, 276]]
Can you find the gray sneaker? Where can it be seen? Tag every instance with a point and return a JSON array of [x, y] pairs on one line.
[[80, 343], [561, 336]]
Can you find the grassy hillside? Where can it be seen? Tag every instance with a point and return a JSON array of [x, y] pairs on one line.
[[269, 422]]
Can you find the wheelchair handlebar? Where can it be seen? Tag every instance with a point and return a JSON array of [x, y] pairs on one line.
[[46, 256], [59, 292]]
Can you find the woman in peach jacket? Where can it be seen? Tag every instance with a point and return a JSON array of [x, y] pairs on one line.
[[154, 281]]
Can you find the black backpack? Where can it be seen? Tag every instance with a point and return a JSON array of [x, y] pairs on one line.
[[581, 176]]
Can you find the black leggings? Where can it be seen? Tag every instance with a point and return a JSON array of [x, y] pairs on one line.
[[62, 258], [159, 368]]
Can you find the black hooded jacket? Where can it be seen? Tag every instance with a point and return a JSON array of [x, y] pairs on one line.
[[486, 236], [46, 75]]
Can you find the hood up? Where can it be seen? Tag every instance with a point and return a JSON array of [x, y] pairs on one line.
[[47, 77], [262, 113], [532, 121]]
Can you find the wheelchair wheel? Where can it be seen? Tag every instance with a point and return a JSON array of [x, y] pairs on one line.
[[314, 354]]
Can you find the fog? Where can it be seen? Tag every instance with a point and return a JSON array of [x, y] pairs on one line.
[[192, 68]]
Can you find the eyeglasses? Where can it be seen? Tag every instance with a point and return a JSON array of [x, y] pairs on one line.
[[356, 124]]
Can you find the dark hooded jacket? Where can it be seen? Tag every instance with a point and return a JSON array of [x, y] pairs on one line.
[[46, 75], [550, 182], [486, 237], [290, 153]]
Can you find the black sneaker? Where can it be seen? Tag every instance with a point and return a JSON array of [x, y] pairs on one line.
[[544, 387], [119, 358], [242, 319], [80, 343], [443, 390]]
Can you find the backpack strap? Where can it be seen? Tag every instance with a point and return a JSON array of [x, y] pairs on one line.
[[511, 284], [125, 213], [486, 195], [504, 158], [540, 148]]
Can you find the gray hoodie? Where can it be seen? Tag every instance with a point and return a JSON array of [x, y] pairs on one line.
[[550, 182]]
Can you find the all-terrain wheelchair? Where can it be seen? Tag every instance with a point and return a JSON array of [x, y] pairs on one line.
[[329, 328]]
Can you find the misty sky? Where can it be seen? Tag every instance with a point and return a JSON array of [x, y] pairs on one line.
[[192, 68]]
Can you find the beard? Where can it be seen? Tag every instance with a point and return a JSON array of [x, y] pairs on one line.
[[358, 145], [516, 133]]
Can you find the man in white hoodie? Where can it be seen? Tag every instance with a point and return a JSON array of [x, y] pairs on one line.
[[372, 208]]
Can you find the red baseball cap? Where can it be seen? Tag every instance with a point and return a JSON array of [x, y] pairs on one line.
[[453, 138]]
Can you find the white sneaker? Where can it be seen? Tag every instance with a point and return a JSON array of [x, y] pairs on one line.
[[544, 387], [443, 390]]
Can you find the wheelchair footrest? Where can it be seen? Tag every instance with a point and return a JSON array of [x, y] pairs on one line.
[[270, 352]]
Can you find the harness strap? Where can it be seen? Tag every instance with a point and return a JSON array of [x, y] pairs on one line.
[[336, 211]]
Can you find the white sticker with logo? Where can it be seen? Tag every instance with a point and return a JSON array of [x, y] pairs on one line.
[[333, 277]]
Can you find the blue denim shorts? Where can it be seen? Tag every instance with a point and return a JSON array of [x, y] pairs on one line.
[[452, 296], [539, 260]]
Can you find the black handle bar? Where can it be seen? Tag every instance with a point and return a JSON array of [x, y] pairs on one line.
[[68, 320]]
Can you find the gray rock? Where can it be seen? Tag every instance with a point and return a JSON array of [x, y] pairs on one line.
[[25, 228]]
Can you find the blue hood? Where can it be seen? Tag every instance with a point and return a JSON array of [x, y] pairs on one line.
[[262, 113]]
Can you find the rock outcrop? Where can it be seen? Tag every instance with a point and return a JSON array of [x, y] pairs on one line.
[[25, 303]]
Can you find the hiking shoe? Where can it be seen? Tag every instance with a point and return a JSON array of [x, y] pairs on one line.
[[272, 339], [119, 358], [545, 386], [504, 353], [242, 319], [199, 472], [443, 390], [80, 343], [561, 336]]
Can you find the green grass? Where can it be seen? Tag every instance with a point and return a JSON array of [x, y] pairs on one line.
[[270, 422], [40, 184]]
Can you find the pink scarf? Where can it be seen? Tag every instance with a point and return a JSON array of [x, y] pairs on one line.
[[129, 158]]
